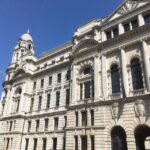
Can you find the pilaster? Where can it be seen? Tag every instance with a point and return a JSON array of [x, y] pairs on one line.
[[141, 20], [124, 71], [104, 76], [146, 62]]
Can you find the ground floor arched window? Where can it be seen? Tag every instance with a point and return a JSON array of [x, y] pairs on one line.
[[142, 133], [118, 138]]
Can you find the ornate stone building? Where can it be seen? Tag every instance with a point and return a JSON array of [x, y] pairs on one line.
[[92, 93]]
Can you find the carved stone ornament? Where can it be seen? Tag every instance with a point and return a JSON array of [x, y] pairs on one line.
[[140, 108], [128, 6], [115, 110]]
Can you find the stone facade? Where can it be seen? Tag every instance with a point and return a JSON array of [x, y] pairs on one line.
[[70, 99]]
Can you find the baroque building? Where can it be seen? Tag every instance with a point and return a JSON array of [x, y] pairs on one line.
[[91, 93]]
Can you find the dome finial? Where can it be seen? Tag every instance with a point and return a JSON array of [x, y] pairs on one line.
[[28, 31]]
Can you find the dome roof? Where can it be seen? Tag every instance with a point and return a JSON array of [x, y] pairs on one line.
[[27, 37]]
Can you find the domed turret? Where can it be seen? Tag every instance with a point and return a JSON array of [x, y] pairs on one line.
[[26, 37], [24, 47]]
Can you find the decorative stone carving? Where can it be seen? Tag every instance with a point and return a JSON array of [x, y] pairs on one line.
[[140, 110], [128, 6], [83, 64], [115, 111]]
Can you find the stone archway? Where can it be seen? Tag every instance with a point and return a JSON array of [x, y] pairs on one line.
[[118, 138], [142, 133]]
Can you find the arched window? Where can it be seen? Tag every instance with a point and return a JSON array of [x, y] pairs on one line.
[[142, 135], [136, 72], [118, 139], [115, 79], [87, 84], [87, 70]]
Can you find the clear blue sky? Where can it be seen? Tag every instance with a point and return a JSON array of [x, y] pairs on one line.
[[52, 22]]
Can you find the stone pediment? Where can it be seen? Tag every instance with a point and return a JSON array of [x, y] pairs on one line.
[[85, 45], [19, 73], [125, 8]]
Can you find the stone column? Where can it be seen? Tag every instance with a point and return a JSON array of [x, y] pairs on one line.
[[103, 36], [74, 84], [146, 63], [141, 20], [121, 30], [97, 36], [124, 71], [96, 78], [104, 76]]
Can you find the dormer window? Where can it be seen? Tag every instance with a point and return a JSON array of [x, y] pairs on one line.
[[134, 24], [108, 35], [126, 27], [147, 18], [115, 32]]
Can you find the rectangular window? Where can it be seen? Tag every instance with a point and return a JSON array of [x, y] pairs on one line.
[[147, 18], [57, 98], [108, 35], [29, 126], [84, 118], [42, 83], [18, 103], [115, 32], [44, 144], [68, 75], [87, 90], [10, 127], [50, 80], [84, 143], [46, 124], [54, 144], [40, 103], [65, 121], [55, 123], [34, 85], [76, 113], [37, 125], [35, 144], [92, 117], [7, 145], [76, 142], [67, 96], [59, 78], [92, 143], [64, 143], [27, 144], [126, 27], [32, 104], [48, 101], [134, 24]]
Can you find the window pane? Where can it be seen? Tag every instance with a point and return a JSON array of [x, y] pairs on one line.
[[115, 32], [108, 35], [84, 142], [57, 98], [84, 118], [87, 89], [137, 79], [115, 79], [134, 24], [147, 18], [126, 27]]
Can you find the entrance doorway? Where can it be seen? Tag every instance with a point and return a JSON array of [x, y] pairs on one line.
[[142, 135], [118, 138]]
